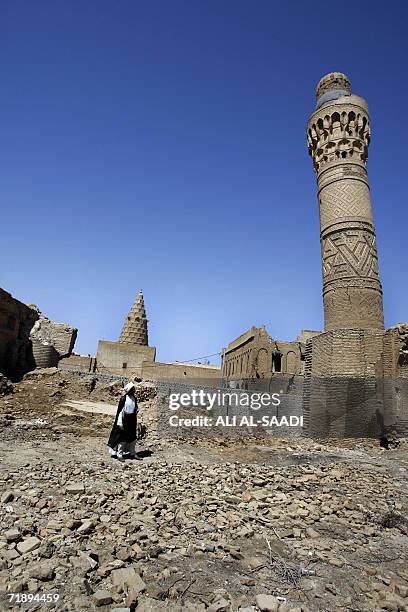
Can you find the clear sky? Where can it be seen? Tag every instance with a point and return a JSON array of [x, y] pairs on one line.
[[161, 145]]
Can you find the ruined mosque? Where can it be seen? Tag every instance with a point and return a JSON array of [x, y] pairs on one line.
[[350, 379]]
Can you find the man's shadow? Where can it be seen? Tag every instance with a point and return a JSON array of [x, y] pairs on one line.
[[144, 453]]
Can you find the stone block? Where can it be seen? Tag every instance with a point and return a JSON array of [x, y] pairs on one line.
[[28, 545]]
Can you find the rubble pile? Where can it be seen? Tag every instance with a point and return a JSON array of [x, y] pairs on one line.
[[42, 394], [290, 525]]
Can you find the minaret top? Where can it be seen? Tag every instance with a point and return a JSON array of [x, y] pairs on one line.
[[332, 86]]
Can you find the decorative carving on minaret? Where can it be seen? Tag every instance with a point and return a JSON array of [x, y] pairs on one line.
[[344, 135], [135, 327], [338, 137]]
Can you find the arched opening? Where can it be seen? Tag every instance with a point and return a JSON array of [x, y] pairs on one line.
[[276, 360]]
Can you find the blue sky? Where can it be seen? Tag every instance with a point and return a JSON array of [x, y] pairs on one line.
[[161, 145]]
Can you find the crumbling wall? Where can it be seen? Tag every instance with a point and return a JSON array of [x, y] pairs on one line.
[[253, 355], [16, 321], [28, 339], [60, 336]]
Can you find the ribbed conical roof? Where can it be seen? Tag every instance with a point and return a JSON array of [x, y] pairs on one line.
[[135, 328]]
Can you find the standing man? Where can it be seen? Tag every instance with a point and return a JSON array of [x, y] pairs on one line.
[[122, 438]]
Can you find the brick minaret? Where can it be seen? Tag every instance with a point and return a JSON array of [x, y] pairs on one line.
[[135, 327], [338, 136]]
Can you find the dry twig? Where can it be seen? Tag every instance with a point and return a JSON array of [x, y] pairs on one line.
[[287, 572]]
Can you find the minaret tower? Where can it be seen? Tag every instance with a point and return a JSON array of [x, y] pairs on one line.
[[338, 136], [135, 327]]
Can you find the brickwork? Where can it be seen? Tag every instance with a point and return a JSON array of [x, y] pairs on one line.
[[126, 356], [45, 355], [51, 341], [289, 389], [394, 368], [180, 371], [356, 383], [338, 137], [79, 363], [28, 339], [350, 371], [342, 391], [123, 358], [255, 355], [16, 321], [135, 327]]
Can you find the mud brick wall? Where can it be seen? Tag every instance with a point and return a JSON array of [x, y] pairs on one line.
[[289, 388], [123, 358], [178, 371], [78, 363], [341, 389], [394, 370], [60, 335], [251, 355], [16, 321]]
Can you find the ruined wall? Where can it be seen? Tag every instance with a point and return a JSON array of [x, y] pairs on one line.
[[16, 321], [60, 335], [256, 354], [50, 341], [28, 339], [251, 364]]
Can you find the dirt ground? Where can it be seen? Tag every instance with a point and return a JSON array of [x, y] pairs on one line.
[[279, 524]]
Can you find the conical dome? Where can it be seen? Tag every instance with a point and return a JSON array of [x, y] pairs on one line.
[[135, 328]]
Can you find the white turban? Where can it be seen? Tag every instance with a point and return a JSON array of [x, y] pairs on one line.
[[129, 387]]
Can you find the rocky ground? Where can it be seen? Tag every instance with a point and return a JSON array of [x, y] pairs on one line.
[[278, 524]]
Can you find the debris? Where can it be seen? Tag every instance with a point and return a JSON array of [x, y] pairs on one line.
[[167, 531], [7, 497], [28, 545], [102, 597], [267, 603]]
